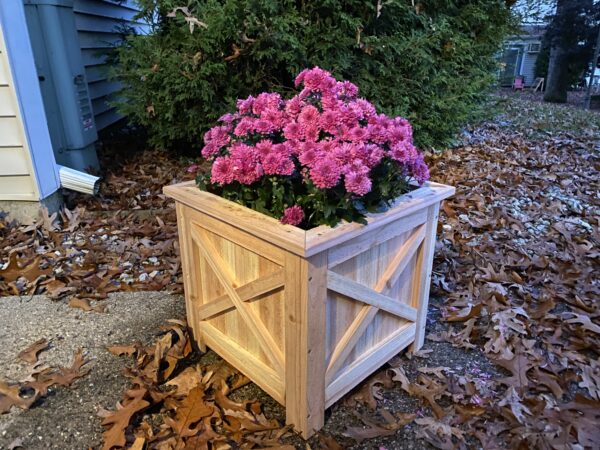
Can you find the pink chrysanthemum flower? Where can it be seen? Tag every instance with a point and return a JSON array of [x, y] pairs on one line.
[[326, 173], [346, 89], [309, 116], [309, 154], [293, 130], [244, 127], [357, 134], [245, 163], [245, 106], [222, 171], [264, 126], [328, 121], [263, 148], [209, 150], [293, 215], [227, 118], [420, 170], [323, 135], [358, 183], [266, 101]]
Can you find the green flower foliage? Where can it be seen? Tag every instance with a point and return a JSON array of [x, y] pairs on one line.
[[430, 62]]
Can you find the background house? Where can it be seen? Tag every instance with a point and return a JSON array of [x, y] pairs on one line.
[[519, 55], [54, 92]]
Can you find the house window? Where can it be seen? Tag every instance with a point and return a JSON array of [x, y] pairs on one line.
[[534, 48]]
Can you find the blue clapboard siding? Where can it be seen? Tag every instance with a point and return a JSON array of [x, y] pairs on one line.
[[99, 25], [528, 67]]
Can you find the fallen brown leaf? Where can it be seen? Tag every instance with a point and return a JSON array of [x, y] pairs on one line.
[[30, 354]]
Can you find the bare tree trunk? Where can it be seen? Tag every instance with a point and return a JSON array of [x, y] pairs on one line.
[[557, 83], [558, 75]]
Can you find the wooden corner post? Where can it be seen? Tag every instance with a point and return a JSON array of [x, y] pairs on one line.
[[305, 334], [422, 276], [191, 283]]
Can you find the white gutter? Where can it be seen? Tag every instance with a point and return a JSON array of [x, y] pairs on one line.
[[78, 181]]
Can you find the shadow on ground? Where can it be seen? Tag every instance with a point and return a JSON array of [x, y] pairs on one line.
[[67, 418]]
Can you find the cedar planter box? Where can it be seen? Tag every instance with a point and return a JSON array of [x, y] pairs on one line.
[[306, 315]]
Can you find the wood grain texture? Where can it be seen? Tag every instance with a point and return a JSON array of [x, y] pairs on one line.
[[369, 363], [422, 276], [323, 237], [251, 222], [365, 241], [228, 282], [191, 287], [247, 292], [295, 240], [386, 273], [305, 329], [263, 375], [306, 315]]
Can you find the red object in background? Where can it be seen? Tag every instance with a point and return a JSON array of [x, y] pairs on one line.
[[518, 84]]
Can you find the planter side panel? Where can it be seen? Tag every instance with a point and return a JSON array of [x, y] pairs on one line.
[[375, 287], [235, 297]]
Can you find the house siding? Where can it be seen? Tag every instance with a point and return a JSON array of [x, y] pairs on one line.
[[99, 24], [16, 180], [528, 67]]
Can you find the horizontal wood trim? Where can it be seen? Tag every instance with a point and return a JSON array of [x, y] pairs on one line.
[[263, 375], [105, 9], [295, 240], [367, 364], [103, 88], [13, 161], [323, 237], [4, 74], [230, 233], [93, 57], [364, 294], [96, 40], [246, 292], [365, 241], [108, 118], [131, 4], [266, 228], [102, 105], [98, 24], [96, 73]]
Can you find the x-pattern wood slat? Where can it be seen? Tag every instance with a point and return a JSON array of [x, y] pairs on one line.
[[374, 300], [227, 280], [248, 291]]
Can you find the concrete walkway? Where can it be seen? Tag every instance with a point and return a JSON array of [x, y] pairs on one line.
[[67, 417]]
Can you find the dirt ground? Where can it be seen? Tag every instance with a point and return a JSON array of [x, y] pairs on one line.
[[68, 417]]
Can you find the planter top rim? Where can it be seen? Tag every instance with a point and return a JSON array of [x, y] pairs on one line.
[[293, 239]]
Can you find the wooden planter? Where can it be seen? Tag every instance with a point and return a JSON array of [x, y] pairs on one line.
[[306, 315]]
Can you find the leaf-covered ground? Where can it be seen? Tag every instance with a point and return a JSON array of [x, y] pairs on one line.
[[512, 357]]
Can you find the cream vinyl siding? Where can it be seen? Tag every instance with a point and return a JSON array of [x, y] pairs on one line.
[[16, 180]]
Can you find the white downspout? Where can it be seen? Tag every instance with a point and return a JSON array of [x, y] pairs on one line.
[[78, 181]]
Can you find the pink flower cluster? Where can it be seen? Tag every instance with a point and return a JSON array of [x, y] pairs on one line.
[[293, 215], [325, 132]]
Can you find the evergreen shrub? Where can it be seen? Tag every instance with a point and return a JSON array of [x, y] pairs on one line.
[[429, 61]]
